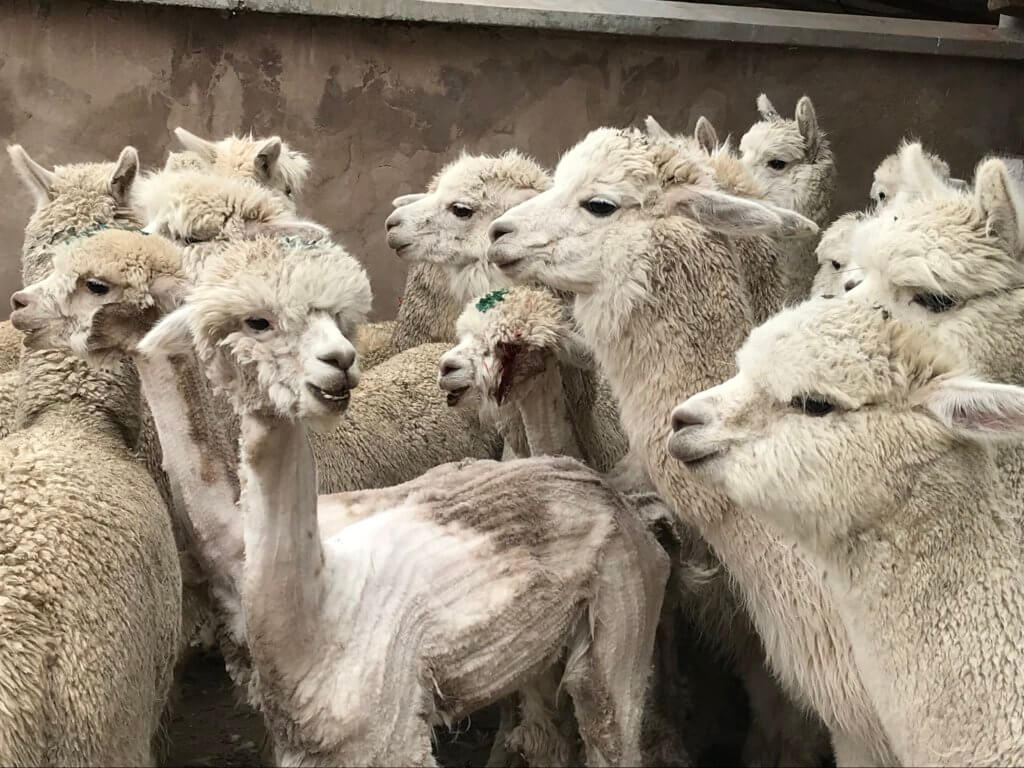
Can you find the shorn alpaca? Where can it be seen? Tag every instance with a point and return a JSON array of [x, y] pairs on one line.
[[793, 162], [854, 433], [558, 561], [633, 226]]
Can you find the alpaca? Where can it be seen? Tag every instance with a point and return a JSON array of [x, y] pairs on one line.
[[510, 345], [793, 162], [654, 255], [889, 180], [857, 436], [278, 350], [838, 272], [91, 568]]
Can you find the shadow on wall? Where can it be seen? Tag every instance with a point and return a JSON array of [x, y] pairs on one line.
[[379, 107]]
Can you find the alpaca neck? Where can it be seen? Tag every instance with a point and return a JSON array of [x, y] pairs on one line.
[[471, 281], [545, 418], [284, 558], [201, 474]]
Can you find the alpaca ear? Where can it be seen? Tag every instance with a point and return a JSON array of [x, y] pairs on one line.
[[807, 122], [401, 200], [706, 135], [303, 229], [125, 172], [999, 204], [768, 112], [267, 157], [654, 129], [978, 409], [205, 149], [171, 336], [918, 173], [740, 216], [37, 179]]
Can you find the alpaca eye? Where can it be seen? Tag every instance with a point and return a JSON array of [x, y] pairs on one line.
[[288, 191], [836, 266], [461, 211], [600, 206], [193, 239], [97, 287], [776, 165], [258, 324], [811, 405], [934, 302]]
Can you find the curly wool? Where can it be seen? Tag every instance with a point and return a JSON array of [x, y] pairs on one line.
[[10, 346]]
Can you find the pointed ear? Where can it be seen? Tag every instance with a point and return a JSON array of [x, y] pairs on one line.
[[205, 149], [918, 172], [654, 129], [1000, 204], [978, 409], [807, 122], [706, 135], [768, 112], [740, 216], [125, 172], [267, 157], [171, 336], [304, 229], [414, 197], [38, 180]]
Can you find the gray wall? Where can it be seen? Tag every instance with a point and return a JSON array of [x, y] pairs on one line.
[[381, 106]]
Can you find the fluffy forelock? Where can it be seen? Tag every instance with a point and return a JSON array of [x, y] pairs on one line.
[[236, 155], [531, 317], [477, 174]]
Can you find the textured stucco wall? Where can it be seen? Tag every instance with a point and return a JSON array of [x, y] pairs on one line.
[[381, 106]]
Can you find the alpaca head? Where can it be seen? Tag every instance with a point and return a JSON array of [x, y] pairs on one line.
[[834, 404], [70, 201], [838, 271], [269, 162], [507, 338], [609, 192], [892, 178], [270, 321], [448, 224], [953, 261], [104, 293], [791, 158]]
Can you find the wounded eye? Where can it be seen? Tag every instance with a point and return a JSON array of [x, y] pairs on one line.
[[777, 165], [836, 265], [934, 302], [258, 324], [461, 211], [97, 287], [812, 405], [600, 206]]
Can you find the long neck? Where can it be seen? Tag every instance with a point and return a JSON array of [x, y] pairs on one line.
[[283, 587], [200, 468], [545, 417]]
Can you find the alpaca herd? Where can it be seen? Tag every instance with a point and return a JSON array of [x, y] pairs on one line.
[[649, 413]]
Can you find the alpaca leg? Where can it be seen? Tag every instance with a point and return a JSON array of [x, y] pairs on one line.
[[547, 733], [610, 657], [503, 754]]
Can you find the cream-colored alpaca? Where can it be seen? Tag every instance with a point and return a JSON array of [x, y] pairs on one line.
[[635, 228], [479, 574], [855, 434]]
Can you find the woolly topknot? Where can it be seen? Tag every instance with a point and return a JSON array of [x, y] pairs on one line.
[[529, 317], [269, 161], [511, 169]]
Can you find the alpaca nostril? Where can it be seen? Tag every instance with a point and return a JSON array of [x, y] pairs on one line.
[[499, 229], [850, 285], [341, 360], [20, 300], [684, 417], [448, 367], [391, 222]]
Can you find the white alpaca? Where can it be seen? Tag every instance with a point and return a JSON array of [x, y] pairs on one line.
[[890, 178], [544, 541], [635, 228], [857, 437], [92, 607]]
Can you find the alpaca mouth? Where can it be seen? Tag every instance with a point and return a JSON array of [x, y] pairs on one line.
[[335, 399], [453, 397]]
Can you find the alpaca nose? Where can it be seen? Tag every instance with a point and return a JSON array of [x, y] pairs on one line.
[[20, 300], [684, 416], [448, 367], [341, 359], [392, 221], [499, 229], [850, 285]]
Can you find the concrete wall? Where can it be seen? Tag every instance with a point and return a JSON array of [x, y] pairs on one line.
[[380, 106]]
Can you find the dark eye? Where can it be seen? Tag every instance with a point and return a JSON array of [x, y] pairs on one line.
[[600, 206], [836, 266], [97, 287], [288, 191], [934, 302], [258, 324], [193, 239], [776, 165], [461, 211], [812, 405]]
